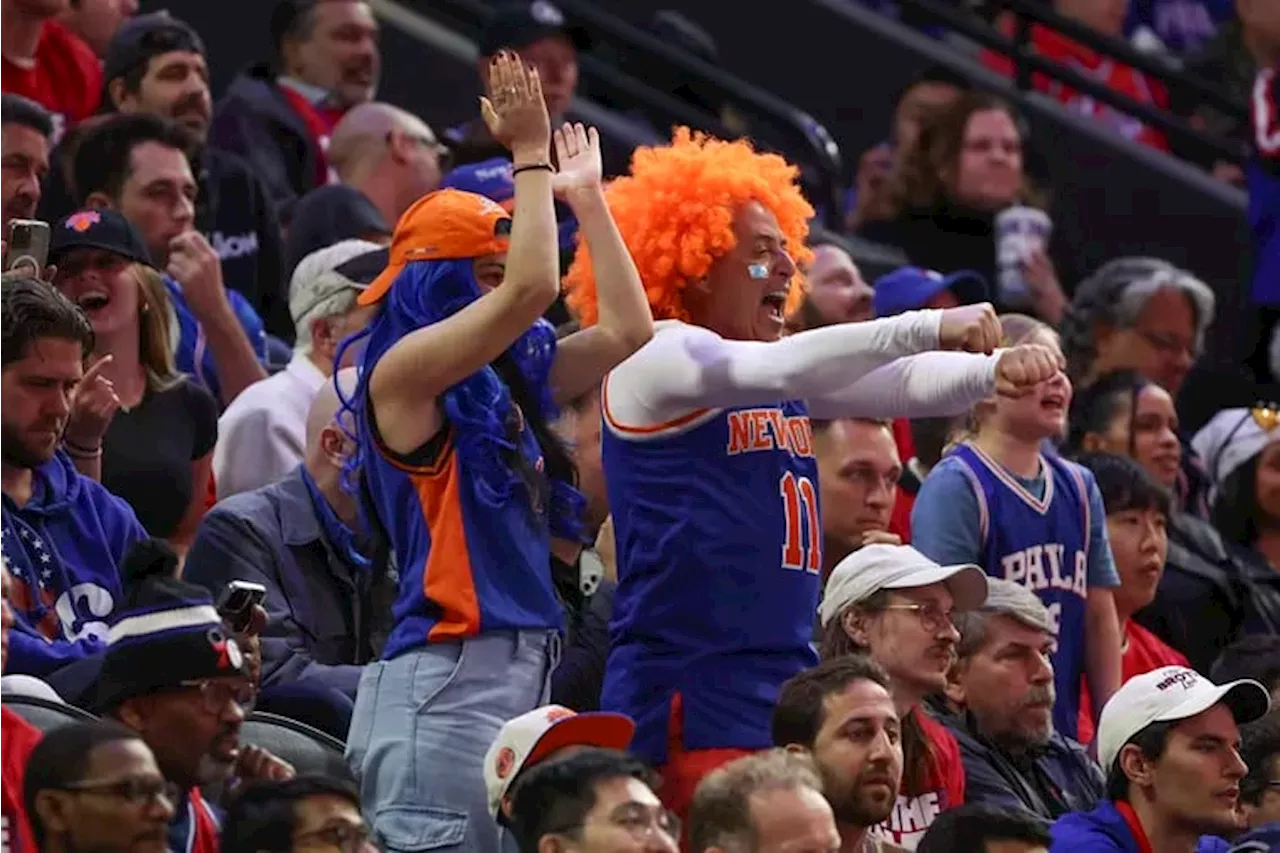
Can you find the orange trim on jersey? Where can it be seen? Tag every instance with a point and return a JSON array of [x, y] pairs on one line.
[[447, 577], [675, 423]]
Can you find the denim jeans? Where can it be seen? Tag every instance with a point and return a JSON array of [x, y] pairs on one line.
[[423, 722]]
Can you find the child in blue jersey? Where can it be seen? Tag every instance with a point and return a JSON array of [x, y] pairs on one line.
[[997, 500], [460, 472]]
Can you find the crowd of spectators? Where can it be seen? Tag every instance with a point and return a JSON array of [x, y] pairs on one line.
[[567, 507]]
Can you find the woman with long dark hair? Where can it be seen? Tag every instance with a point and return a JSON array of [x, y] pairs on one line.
[[458, 468]]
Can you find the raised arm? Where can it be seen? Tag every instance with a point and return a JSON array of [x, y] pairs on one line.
[[410, 376], [938, 384], [625, 322], [687, 367]]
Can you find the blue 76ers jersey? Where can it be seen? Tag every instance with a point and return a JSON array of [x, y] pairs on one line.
[[1044, 544], [719, 544]]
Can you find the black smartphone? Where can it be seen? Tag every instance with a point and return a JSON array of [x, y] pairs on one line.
[[237, 601], [27, 245]]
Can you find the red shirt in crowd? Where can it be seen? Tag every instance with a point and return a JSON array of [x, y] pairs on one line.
[[1143, 652], [64, 76], [320, 121], [903, 501], [943, 787], [17, 739], [1117, 76]]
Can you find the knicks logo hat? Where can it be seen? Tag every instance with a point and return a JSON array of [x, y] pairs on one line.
[[443, 225], [537, 735]]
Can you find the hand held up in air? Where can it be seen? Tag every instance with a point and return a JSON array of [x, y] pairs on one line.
[[581, 171], [514, 110], [1023, 367], [93, 405], [971, 328]]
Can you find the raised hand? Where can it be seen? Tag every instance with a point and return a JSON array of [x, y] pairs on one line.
[[93, 404], [578, 156], [514, 110], [972, 328], [1023, 367]]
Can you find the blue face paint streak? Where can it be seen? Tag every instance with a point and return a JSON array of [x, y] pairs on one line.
[[758, 271]]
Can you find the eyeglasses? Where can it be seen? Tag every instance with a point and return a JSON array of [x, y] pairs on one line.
[[345, 837], [932, 617], [1169, 344], [639, 823], [136, 791], [215, 695]]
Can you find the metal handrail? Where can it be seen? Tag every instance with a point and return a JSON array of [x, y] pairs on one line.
[[1027, 61], [1127, 54], [795, 125]]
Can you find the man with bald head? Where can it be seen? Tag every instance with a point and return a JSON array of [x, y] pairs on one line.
[[388, 154], [328, 593]]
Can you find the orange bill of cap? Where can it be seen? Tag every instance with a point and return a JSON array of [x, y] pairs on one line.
[[442, 225], [590, 728]]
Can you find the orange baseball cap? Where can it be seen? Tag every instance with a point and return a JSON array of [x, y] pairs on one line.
[[443, 225]]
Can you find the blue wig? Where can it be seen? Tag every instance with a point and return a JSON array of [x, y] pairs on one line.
[[478, 407]]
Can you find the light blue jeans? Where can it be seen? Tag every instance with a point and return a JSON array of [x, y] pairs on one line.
[[422, 725]]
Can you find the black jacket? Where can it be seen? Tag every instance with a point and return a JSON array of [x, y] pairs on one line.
[[1210, 595], [256, 121], [587, 597], [1056, 779]]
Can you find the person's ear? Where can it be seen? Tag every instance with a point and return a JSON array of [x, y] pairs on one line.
[[1136, 766], [53, 810], [797, 749], [856, 625], [98, 200], [333, 445], [116, 92], [324, 342]]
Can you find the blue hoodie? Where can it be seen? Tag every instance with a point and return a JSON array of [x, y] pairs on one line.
[[63, 550], [1104, 830]]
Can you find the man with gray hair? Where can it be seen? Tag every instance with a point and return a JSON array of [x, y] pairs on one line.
[[768, 801], [1000, 699], [389, 155], [262, 434]]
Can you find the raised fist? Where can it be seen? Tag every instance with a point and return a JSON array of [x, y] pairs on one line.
[[1023, 367], [972, 328]]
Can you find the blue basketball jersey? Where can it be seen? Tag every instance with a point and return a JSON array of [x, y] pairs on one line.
[[719, 545], [1044, 544]]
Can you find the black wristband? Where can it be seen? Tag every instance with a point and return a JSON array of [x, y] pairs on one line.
[[532, 167]]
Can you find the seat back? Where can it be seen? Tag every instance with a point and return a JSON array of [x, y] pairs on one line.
[[44, 714], [309, 750]]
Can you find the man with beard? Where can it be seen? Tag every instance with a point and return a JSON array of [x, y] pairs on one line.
[[25, 128], [842, 714], [174, 675], [156, 64], [63, 536], [1001, 692], [326, 62]]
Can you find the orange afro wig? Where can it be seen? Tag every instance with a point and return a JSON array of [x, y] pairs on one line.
[[675, 211]]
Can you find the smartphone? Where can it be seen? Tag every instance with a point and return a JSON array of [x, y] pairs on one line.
[[28, 245], [237, 601]]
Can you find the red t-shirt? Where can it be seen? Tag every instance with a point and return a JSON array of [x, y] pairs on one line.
[[17, 739], [65, 77], [903, 501], [1144, 651], [943, 788], [1118, 77]]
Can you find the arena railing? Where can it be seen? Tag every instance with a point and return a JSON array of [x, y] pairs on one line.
[[775, 124], [1182, 136]]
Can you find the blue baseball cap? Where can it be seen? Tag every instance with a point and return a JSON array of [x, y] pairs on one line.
[[910, 288], [489, 178]]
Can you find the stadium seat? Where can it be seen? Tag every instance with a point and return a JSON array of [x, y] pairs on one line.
[[308, 750], [44, 714]]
